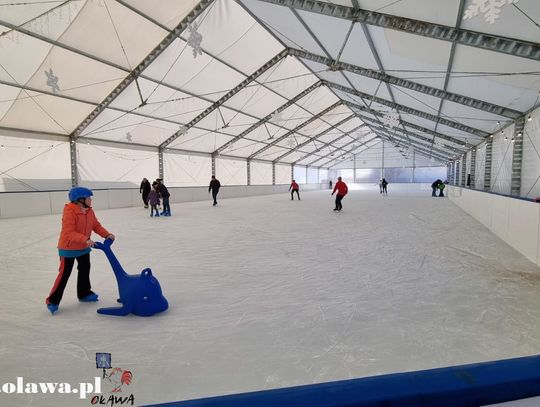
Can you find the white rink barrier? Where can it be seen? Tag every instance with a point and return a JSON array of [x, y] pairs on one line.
[[20, 204], [516, 221]]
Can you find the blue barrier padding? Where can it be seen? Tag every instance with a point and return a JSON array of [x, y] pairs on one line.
[[464, 386]]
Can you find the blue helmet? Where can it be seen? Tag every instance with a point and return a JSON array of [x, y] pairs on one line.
[[77, 193]]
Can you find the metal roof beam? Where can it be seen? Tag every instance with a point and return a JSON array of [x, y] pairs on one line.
[[226, 97], [407, 142], [410, 134], [347, 152], [312, 139], [291, 132], [410, 110], [267, 117], [408, 124], [489, 42], [329, 145], [404, 83], [168, 40]]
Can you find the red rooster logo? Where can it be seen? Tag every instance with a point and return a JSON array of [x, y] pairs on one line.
[[119, 377]]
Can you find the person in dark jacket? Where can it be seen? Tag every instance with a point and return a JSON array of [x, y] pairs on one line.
[[165, 195], [153, 200], [294, 188], [435, 186], [214, 187], [342, 190], [145, 189], [384, 184]]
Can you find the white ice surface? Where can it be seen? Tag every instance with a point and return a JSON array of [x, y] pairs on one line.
[[265, 292]]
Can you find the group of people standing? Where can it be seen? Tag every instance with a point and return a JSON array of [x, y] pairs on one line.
[[438, 185], [151, 195]]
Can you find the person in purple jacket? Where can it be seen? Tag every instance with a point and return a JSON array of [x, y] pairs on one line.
[[153, 199]]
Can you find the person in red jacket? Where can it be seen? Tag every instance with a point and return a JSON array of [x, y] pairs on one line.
[[78, 223], [294, 188], [342, 190]]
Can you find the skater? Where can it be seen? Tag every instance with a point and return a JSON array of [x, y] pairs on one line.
[[294, 188], [441, 189], [330, 184], [380, 186], [214, 187], [153, 200], [384, 184], [145, 189], [164, 193], [342, 190], [78, 223], [435, 186]]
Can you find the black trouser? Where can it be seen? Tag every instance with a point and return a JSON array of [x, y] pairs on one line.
[[297, 193], [434, 193], [83, 278], [214, 195], [166, 206], [441, 193], [338, 202], [145, 197], [384, 189]]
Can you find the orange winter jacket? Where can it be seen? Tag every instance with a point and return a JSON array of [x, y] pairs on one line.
[[77, 226]]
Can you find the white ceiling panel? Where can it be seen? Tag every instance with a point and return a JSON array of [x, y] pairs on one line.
[[433, 11], [419, 59], [283, 24], [480, 74], [246, 45], [288, 78]]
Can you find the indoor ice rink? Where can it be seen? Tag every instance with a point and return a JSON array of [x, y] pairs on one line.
[[425, 294]]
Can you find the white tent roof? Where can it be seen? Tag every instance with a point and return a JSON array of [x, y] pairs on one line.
[[290, 81]]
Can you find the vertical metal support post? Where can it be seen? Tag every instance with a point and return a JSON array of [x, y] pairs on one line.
[[213, 165], [73, 158], [487, 171], [473, 168], [382, 161], [248, 172], [160, 160], [273, 173], [517, 156]]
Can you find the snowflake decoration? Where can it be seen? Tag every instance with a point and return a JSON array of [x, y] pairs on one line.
[[292, 143], [391, 119], [490, 8], [276, 117], [52, 80], [183, 130], [195, 39], [129, 137]]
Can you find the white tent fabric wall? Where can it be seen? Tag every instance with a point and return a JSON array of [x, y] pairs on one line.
[[231, 172], [260, 173], [501, 161], [323, 175], [20, 157], [530, 171], [480, 170], [107, 167], [283, 174], [312, 175], [186, 170], [300, 174]]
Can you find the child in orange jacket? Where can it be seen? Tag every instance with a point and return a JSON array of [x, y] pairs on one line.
[[78, 223]]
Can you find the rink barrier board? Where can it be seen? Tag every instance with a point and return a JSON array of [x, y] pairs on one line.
[[19, 204], [473, 385], [515, 221]]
